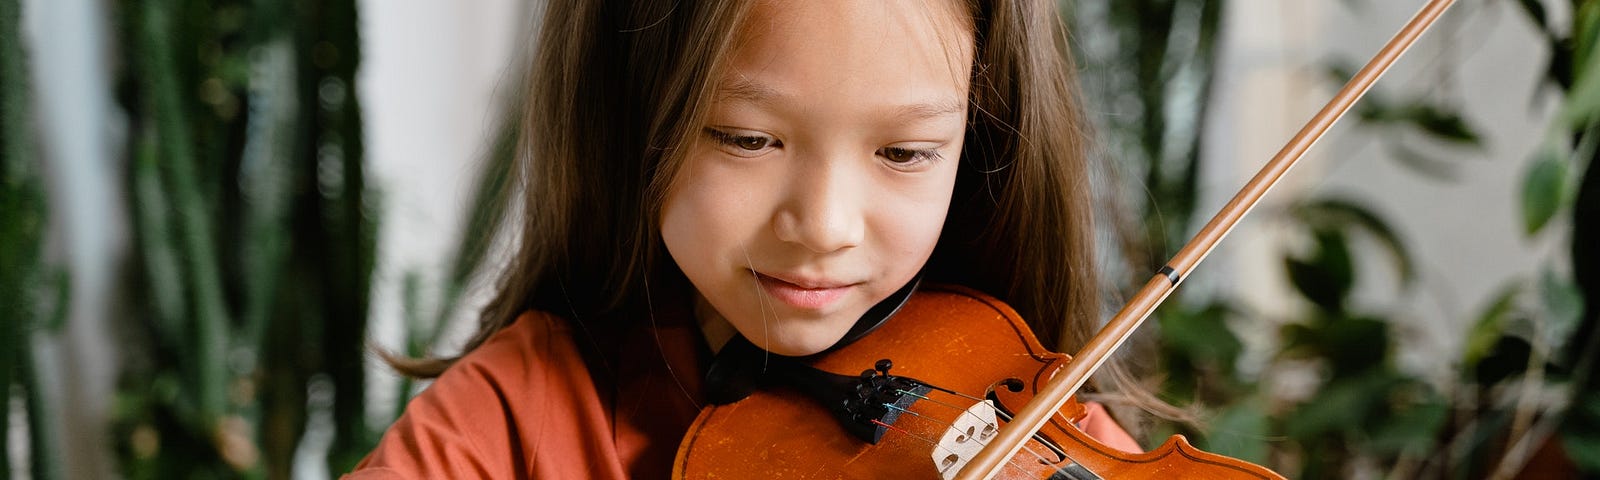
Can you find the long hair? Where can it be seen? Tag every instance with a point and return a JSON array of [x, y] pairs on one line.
[[618, 88]]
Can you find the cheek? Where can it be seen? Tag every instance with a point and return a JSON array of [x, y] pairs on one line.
[[910, 227], [704, 214]]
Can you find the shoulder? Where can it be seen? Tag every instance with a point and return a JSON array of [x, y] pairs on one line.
[[533, 336], [529, 356], [488, 414]]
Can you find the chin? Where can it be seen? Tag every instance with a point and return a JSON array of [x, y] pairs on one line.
[[799, 348], [802, 337]]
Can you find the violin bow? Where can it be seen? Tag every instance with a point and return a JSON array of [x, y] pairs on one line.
[[1055, 393]]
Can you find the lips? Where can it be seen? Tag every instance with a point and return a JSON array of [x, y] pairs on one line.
[[804, 294]]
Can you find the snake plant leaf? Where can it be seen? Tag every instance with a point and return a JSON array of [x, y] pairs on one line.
[[1543, 190]]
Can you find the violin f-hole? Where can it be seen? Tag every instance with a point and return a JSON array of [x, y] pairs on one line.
[[1013, 387]]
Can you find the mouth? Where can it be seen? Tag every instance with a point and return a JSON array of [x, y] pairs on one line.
[[803, 293]]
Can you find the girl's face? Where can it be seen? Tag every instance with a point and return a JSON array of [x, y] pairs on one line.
[[822, 178]]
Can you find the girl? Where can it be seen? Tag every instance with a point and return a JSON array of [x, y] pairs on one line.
[[770, 169]]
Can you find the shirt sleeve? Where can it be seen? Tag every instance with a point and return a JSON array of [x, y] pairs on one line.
[[522, 405], [464, 425], [440, 437]]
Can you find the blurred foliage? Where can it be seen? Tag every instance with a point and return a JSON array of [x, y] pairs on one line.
[[27, 282], [1329, 401], [246, 297], [254, 233], [1151, 64]]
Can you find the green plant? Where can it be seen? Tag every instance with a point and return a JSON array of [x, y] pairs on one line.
[[27, 282], [255, 235], [1355, 411]]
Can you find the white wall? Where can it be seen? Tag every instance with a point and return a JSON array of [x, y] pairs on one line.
[[430, 86], [80, 132]]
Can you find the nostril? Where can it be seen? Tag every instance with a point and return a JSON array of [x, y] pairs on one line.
[[819, 232]]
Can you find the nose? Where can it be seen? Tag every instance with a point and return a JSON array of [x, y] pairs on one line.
[[825, 205]]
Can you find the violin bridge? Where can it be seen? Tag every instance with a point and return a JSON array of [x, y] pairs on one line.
[[964, 438], [969, 433]]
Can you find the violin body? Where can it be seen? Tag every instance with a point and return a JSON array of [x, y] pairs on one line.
[[971, 347]]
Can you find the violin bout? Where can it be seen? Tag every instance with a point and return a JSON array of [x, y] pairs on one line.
[[982, 362]]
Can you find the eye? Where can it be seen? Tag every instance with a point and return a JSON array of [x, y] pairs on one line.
[[904, 158], [742, 143]]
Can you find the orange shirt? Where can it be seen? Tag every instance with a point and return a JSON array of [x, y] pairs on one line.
[[526, 404]]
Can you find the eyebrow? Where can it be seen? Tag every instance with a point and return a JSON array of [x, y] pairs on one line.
[[746, 89], [759, 93]]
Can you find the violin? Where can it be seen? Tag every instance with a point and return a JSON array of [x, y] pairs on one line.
[[974, 363], [973, 395]]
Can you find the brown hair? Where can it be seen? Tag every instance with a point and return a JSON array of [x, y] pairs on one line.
[[618, 88]]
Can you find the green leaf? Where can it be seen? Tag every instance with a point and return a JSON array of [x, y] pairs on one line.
[[1355, 345], [1584, 450], [1585, 32], [1240, 432], [1327, 276], [1342, 405], [1489, 327], [1508, 357], [1583, 97], [1442, 124], [1344, 214], [1543, 190], [1414, 428], [1422, 163], [1341, 71], [1563, 308], [1352, 346], [1579, 438], [1203, 336], [1437, 121]]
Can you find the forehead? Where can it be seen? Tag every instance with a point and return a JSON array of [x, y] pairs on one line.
[[897, 51]]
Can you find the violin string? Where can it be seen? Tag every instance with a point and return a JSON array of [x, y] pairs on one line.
[[1002, 413], [1012, 462], [1053, 448], [949, 425]]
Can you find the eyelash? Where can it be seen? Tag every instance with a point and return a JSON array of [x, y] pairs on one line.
[[914, 157], [737, 141], [917, 156]]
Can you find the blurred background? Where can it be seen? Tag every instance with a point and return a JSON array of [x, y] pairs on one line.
[[212, 210]]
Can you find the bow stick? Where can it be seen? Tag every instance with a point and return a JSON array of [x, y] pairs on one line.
[[1055, 393]]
